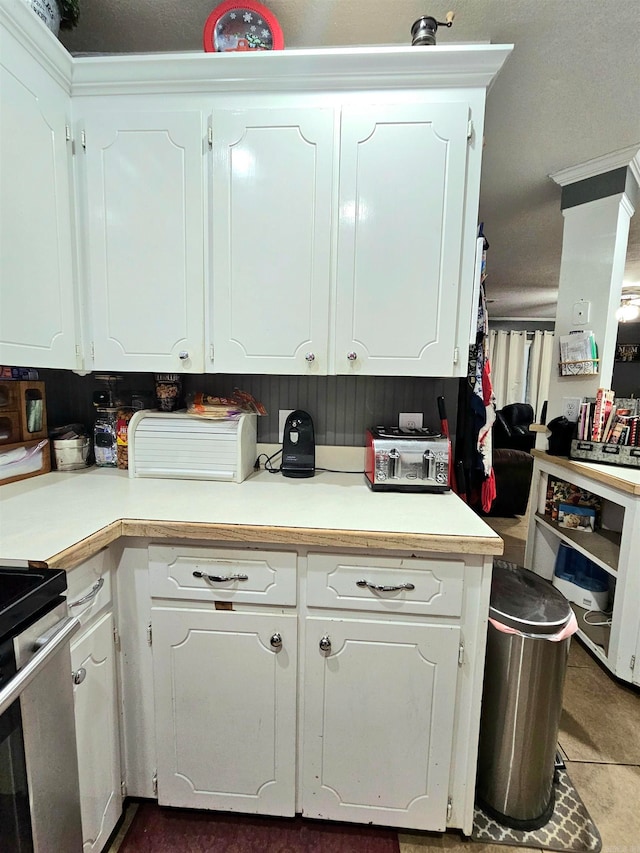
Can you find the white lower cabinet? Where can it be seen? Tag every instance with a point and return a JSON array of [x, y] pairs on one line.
[[378, 721], [369, 722], [97, 731], [225, 707]]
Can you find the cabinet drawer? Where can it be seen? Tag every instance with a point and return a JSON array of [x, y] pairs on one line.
[[341, 582], [89, 587], [218, 574]]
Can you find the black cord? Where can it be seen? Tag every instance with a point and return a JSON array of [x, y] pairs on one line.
[[335, 471], [267, 462], [268, 467]]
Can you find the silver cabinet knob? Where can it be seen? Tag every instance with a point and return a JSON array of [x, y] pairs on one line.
[[310, 356], [325, 644], [79, 675], [352, 356], [276, 641], [183, 355]]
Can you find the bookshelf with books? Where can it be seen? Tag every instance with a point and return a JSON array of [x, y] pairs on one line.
[[602, 505], [608, 430]]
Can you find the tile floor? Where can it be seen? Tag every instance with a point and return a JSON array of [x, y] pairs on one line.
[[600, 741], [599, 738]]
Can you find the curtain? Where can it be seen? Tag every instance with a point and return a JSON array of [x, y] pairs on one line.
[[540, 364], [508, 358], [521, 365]]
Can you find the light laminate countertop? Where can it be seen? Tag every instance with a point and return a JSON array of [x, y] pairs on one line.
[[615, 476], [63, 518]]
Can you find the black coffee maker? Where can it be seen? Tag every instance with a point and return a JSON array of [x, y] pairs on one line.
[[298, 446]]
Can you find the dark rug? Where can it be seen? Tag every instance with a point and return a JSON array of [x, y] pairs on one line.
[[163, 830], [570, 827]]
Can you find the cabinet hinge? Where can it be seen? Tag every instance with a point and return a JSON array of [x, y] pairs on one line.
[[469, 128], [116, 639], [210, 136], [149, 634], [211, 353], [83, 139], [92, 351], [78, 353], [123, 788], [67, 133], [633, 662], [154, 782], [460, 654], [456, 355], [449, 809]]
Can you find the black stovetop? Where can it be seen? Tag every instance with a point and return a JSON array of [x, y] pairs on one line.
[[25, 594]]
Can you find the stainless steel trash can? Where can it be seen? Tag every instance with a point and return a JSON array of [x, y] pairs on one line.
[[522, 697]]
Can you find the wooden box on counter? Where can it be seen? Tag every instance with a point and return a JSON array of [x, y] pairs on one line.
[[23, 411], [24, 459]]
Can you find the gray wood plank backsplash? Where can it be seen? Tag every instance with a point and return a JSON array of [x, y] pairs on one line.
[[342, 407]]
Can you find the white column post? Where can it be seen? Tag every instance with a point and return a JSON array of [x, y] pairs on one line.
[[598, 202]]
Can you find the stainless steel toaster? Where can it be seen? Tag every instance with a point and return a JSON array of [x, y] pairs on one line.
[[406, 460]]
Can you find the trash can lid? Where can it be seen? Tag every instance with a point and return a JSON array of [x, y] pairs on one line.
[[522, 600]]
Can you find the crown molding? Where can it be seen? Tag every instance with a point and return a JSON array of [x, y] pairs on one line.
[[624, 157], [19, 20], [374, 67]]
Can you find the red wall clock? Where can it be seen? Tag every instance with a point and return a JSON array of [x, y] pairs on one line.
[[242, 25]]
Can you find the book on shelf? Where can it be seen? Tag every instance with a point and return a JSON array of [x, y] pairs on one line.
[[609, 420], [604, 403], [561, 492], [580, 518]]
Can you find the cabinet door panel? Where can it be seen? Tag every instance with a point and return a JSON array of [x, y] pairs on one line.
[[37, 308], [145, 212], [271, 215], [225, 710], [97, 734], [402, 187], [378, 724]]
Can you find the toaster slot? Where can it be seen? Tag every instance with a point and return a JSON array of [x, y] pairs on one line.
[[427, 465], [394, 463]]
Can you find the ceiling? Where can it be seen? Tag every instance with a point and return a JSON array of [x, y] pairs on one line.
[[568, 93]]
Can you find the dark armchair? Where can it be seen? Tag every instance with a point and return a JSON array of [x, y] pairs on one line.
[[512, 460], [511, 430]]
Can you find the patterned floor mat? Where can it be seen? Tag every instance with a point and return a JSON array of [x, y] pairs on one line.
[[569, 829]]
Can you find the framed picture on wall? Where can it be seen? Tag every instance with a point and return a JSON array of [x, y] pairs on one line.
[[628, 352]]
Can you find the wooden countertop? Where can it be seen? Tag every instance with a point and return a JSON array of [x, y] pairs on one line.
[[616, 476], [63, 518]]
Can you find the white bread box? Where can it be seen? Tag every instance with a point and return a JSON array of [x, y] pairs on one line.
[[189, 447]]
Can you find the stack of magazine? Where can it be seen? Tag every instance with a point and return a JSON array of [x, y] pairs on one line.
[[578, 353]]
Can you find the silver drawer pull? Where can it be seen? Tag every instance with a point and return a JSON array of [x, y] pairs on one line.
[[276, 641], [325, 643], [95, 589], [219, 578], [381, 588], [79, 675]]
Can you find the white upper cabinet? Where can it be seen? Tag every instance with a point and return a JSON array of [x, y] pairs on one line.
[[401, 206], [389, 194], [271, 215], [333, 231], [143, 193], [37, 301]]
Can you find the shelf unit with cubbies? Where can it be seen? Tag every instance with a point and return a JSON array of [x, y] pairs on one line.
[[614, 546]]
